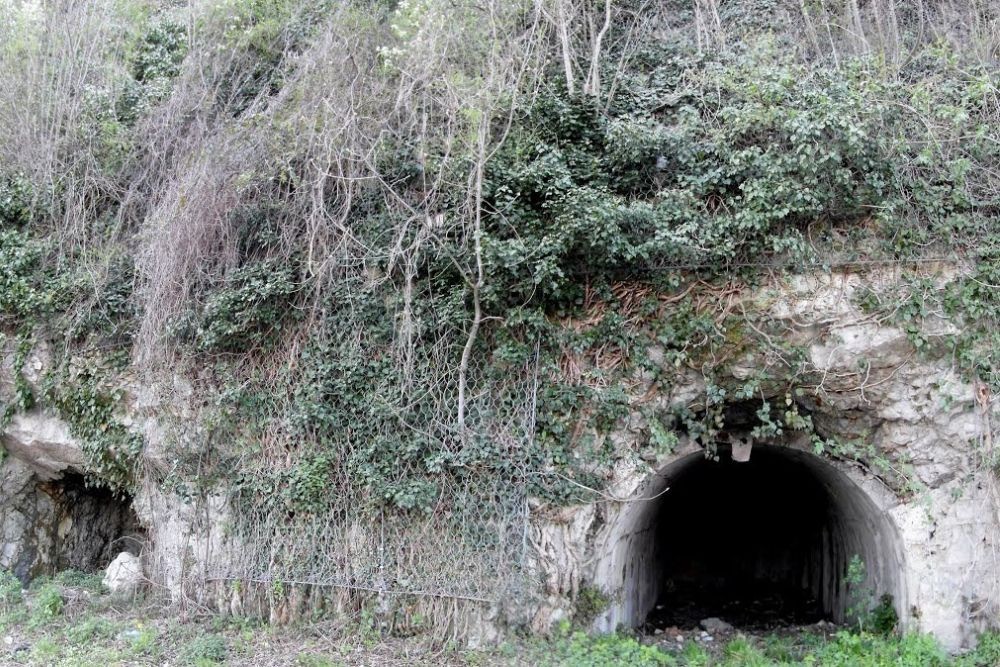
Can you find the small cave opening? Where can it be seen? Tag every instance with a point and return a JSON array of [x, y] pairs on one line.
[[759, 544], [83, 527]]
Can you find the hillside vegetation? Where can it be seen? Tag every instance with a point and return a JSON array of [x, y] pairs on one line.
[[409, 254]]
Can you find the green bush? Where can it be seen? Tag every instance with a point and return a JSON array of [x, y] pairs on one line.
[[46, 604], [249, 311], [22, 294], [17, 205], [110, 448], [160, 52], [883, 618], [590, 602], [207, 649]]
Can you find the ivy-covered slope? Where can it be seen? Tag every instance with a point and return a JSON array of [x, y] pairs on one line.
[[413, 252]]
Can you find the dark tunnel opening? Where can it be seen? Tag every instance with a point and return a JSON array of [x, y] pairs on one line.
[[751, 543], [759, 544]]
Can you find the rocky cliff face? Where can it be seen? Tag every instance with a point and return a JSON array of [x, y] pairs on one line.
[[915, 498], [54, 517], [51, 520]]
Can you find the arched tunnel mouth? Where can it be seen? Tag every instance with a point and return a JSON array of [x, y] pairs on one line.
[[759, 544]]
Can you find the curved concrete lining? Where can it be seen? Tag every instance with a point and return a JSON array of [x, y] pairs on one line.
[[832, 513]]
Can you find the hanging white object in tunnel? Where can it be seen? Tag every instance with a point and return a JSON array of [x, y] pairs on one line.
[[741, 448]]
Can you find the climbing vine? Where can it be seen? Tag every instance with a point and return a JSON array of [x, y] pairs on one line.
[[110, 449]]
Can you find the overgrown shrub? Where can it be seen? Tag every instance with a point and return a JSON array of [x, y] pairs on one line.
[[17, 201], [589, 604], [159, 53], [110, 449], [205, 649], [46, 603], [23, 293], [250, 310]]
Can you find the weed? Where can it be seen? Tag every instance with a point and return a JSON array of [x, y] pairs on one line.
[[10, 591], [143, 641], [693, 655], [779, 649], [862, 609], [582, 650], [92, 583], [883, 618], [740, 651], [311, 660], [44, 651], [89, 629], [47, 604], [863, 649], [987, 653], [367, 628], [206, 650], [589, 603]]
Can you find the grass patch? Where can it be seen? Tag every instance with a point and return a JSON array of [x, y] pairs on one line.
[[582, 650], [90, 629], [49, 628], [845, 649]]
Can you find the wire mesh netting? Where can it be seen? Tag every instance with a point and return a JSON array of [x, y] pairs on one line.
[[468, 543]]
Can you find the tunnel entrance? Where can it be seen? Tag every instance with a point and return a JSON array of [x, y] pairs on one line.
[[746, 542], [759, 544]]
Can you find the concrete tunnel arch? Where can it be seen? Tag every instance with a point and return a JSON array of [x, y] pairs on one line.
[[787, 520]]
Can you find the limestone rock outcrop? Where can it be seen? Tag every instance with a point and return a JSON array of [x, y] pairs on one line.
[[43, 442], [933, 489], [51, 519], [124, 574]]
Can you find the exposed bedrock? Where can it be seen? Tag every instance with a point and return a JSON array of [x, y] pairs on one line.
[[924, 522], [50, 518]]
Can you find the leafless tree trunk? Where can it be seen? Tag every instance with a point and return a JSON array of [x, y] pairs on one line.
[[593, 84], [564, 16]]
